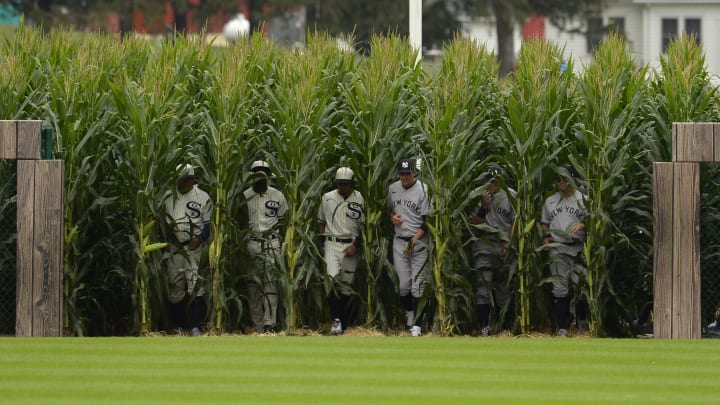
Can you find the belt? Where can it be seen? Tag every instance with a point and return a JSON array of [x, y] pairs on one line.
[[259, 239], [405, 238], [339, 240]]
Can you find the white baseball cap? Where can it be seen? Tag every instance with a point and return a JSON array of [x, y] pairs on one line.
[[185, 170], [260, 165], [344, 175]]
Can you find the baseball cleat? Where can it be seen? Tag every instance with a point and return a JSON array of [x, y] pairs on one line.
[[416, 331], [562, 333], [485, 331], [336, 328], [195, 332]]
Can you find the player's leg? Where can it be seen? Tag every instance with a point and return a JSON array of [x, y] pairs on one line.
[[196, 292], [401, 263], [560, 269], [176, 290], [254, 287], [483, 286], [418, 269], [333, 264], [578, 273], [346, 278], [270, 288]]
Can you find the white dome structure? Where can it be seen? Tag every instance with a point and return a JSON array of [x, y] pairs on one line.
[[236, 28]]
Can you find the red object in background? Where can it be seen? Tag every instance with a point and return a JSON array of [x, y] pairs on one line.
[[534, 27]]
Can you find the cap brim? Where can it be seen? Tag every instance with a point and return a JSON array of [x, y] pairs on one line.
[[343, 181]]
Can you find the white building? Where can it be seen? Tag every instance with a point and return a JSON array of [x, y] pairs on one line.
[[648, 26]]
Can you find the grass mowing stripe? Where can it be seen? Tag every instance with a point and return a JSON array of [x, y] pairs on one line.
[[355, 370]]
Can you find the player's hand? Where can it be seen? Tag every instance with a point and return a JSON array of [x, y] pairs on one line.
[[395, 219], [504, 249], [409, 248], [194, 243], [350, 251], [577, 227], [546, 243], [487, 197]]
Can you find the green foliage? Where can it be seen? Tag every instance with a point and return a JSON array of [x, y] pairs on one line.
[[126, 112]]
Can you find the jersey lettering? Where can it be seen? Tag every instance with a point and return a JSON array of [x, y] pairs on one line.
[[354, 211], [271, 208], [193, 209]]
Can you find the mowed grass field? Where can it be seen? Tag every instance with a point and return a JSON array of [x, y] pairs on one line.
[[357, 370]]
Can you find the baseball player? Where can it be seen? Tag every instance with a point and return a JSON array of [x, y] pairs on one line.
[[562, 223], [340, 217], [408, 205], [189, 212], [266, 207], [490, 246]]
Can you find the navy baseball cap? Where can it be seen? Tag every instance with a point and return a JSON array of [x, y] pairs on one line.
[[406, 166], [569, 171], [492, 173]]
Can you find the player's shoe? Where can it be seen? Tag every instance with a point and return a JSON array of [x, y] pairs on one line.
[[195, 332], [409, 320], [269, 329], [562, 333], [485, 331], [336, 328], [714, 328], [416, 331]]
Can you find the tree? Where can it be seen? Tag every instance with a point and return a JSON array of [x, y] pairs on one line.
[[560, 13]]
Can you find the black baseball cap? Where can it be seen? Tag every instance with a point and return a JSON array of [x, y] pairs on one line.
[[406, 166]]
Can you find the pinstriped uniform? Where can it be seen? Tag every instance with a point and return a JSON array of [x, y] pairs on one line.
[[188, 213], [560, 214], [343, 218], [411, 204], [264, 212], [493, 273]]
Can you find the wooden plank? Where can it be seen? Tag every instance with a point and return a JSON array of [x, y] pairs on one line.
[[28, 139], [662, 248], [25, 243], [716, 142], [686, 251], [48, 248], [8, 139], [693, 142]]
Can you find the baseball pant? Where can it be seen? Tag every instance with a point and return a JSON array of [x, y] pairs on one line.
[[182, 272], [263, 284], [340, 267], [565, 270], [492, 277], [410, 269]]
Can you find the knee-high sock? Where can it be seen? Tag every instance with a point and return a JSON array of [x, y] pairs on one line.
[[197, 312], [177, 314], [335, 304], [562, 308], [581, 309], [483, 314]]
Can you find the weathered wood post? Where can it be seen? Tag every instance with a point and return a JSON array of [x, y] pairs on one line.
[[676, 210], [40, 218]]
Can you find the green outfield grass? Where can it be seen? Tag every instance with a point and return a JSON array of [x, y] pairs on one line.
[[362, 370]]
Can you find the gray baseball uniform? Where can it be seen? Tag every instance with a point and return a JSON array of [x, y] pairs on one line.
[[342, 218], [411, 204], [499, 215], [264, 212], [560, 214], [189, 214]]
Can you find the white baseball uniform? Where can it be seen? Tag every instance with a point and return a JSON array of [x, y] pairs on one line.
[[343, 218], [189, 214], [264, 212]]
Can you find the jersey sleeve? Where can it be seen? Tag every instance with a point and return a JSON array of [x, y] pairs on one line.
[[321, 211]]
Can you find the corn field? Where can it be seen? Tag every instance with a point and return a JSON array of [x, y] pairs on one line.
[[125, 112]]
